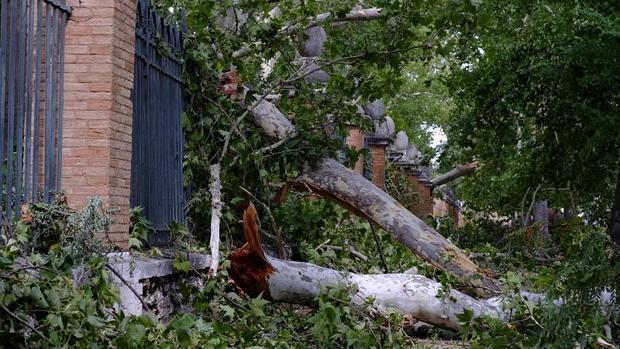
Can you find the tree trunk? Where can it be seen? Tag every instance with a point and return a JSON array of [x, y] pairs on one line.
[[459, 171], [353, 191], [541, 217], [301, 283], [615, 214], [415, 295]]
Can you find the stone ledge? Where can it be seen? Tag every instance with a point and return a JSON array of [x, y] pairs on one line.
[[138, 269]]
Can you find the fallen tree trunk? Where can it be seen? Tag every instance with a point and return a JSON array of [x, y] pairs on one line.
[[301, 283], [459, 171], [333, 180], [415, 295]]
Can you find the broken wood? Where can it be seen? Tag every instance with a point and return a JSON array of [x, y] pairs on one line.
[[457, 172]]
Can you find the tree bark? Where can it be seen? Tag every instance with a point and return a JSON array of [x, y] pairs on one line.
[[615, 214], [458, 171], [541, 217], [415, 295], [353, 191]]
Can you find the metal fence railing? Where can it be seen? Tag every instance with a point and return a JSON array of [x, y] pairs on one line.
[[157, 155], [32, 43]]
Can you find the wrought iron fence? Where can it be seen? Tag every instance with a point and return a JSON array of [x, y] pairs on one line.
[[157, 156], [31, 99]]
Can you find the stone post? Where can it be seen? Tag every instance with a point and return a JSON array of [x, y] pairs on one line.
[[99, 63]]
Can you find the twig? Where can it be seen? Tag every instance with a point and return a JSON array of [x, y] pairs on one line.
[[374, 235], [272, 147], [349, 249], [23, 322], [323, 244], [133, 290]]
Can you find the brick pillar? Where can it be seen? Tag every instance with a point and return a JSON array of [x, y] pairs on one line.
[[424, 207], [355, 139], [99, 63], [378, 146]]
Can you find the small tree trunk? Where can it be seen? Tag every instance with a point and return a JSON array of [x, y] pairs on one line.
[[541, 216], [615, 214]]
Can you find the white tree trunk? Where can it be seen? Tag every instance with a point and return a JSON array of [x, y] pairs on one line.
[[414, 295], [352, 190], [215, 189]]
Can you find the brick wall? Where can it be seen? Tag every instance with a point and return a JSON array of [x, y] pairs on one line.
[[355, 139], [378, 146], [99, 61], [424, 207]]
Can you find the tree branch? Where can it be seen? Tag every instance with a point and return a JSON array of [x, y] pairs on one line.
[[458, 171]]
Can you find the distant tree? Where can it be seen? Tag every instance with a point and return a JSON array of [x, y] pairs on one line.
[[538, 104]]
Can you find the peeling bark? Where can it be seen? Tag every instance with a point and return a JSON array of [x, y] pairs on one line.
[[459, 171]]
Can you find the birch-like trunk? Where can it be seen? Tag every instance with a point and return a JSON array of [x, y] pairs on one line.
[[352, 190], [414, 295], [215, 189], [459, 171]]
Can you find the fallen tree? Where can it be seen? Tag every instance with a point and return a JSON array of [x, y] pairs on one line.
[[301, 283], [333, 180], [350, 189], [408, 293]]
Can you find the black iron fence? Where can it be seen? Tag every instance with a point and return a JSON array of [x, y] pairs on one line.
[[157, 157], [31, 99]]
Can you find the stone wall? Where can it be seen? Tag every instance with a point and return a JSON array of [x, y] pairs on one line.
[[99, 63]]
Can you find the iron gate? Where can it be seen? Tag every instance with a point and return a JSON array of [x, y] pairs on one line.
[[32, 36], [157, 157]]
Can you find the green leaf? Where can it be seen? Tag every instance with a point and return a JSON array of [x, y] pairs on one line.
[[54, 321], [96, 321], [182, 265], [185, 321], [228, 310]]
